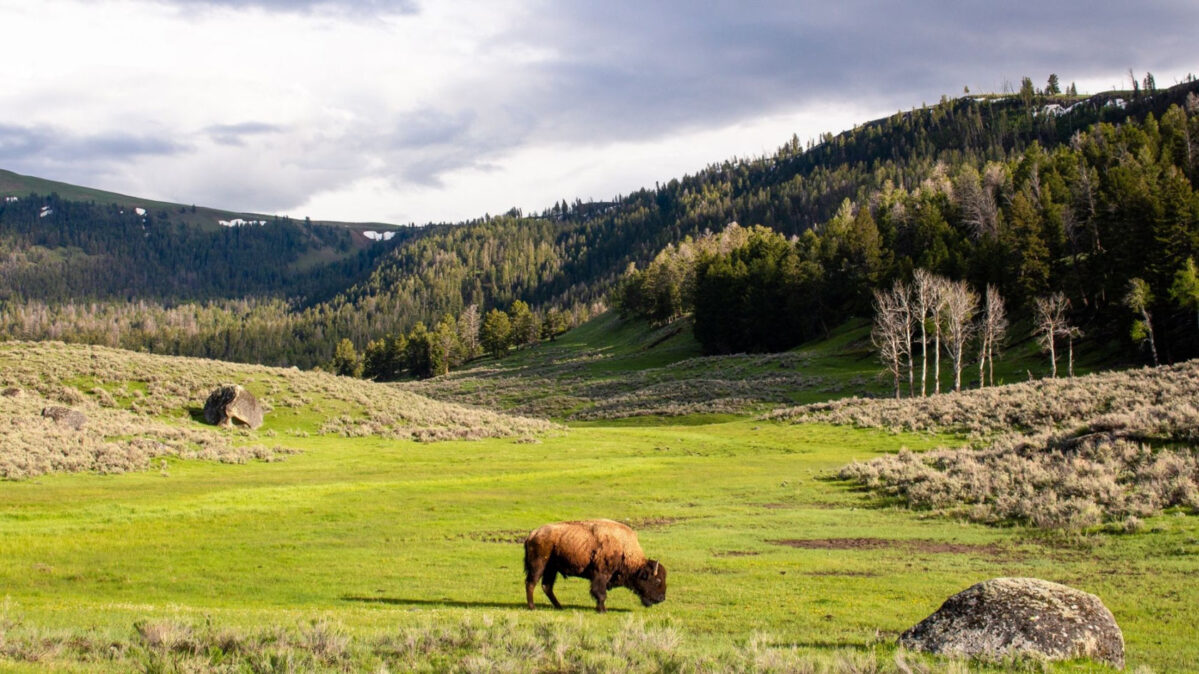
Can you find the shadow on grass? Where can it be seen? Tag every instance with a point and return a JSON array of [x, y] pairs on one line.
[[454, 603], [197, 414]]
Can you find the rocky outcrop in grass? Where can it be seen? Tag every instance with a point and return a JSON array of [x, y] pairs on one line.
[[1005, 617]]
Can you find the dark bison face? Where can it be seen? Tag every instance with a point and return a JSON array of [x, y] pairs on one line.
[[650, 583]]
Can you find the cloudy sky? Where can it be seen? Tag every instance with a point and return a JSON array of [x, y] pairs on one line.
[[418, 110]]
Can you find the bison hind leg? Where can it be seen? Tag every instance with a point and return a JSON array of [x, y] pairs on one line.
[[547, 584], [534, 568]]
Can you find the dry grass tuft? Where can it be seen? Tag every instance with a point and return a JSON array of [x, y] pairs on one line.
[[482, 643]]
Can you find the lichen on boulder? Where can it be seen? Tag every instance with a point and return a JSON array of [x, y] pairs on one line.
[[229, 404], [1005, 617]]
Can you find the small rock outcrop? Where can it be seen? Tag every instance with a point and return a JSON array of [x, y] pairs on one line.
[[229, 404], [65, 416], [1021, 616], [10, 392]]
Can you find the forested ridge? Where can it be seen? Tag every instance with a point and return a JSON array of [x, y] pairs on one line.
[[903, 171], [56, 250]]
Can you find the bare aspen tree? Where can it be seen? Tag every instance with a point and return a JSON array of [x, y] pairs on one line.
[[903, 295], [1071, 333], [961, 304], [1049, 322], [923, 294], [892, 325], [992, 328], [468, 330], [937, 313], [979, 210]]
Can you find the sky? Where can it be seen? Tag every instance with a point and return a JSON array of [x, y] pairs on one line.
[[419, 111]]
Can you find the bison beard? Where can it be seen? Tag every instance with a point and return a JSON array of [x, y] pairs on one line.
[[605, 552]]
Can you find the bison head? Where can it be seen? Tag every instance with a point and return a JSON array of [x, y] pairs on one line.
[[650, 583]]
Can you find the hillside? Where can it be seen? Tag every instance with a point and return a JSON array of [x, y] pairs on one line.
[[922, 175], [142, 407], [17, 185], [613, 368]]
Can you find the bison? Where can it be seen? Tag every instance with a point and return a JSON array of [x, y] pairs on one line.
[[605, 552]]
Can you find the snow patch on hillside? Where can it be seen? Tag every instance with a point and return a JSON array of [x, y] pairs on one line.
[[46, 210], [238, 222], [378, 236]]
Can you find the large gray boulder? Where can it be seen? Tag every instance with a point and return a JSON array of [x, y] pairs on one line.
[[229, 404], [65, 416], [1021, 616]]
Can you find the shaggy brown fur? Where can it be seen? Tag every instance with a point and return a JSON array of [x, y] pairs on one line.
[[605, 552]]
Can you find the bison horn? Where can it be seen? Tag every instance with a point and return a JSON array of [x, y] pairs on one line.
[[654, 568]]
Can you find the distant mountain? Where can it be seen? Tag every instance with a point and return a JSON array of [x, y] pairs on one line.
[[62, 242], [17, 185]]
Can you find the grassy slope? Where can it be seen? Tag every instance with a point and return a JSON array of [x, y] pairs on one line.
[[383, 535], [15, 184], [610, 369]]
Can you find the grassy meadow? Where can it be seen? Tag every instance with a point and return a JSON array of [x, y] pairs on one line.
[[369, 550]]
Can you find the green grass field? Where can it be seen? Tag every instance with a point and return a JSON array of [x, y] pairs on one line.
[[380, 535], [368, 553]]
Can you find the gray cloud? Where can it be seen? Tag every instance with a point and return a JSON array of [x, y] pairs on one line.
[[235, 134], [41, 143], [352, 7], [639, 71]]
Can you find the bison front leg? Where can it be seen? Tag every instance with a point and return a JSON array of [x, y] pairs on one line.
[[547, 584], [599, 590]]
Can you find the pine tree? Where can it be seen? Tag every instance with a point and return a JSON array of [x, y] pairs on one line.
[[346, 361], [496, 333], [1053, 87]]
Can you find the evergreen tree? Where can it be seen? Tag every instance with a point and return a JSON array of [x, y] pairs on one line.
[[421, 355], [496, 333], [345, 360], [1053, 87]]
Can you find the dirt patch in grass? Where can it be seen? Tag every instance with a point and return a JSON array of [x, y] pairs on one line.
[[653, 523], [843, 574], [500, 536], [735, 553], [914, 545]]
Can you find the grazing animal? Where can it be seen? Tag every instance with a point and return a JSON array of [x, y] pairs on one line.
[[605, 552]]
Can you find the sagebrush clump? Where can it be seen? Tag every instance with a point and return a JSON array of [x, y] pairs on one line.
[[1059, 454]]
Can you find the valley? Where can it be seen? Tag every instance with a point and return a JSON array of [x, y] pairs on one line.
[[731, 363]]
